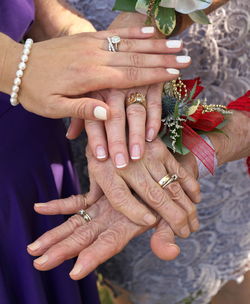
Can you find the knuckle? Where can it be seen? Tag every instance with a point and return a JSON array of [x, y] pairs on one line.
[[81, 110], [112, 239], [118, 197], [117, 142], [180, 218], [156, 197], [74, 221], [117, 115], [133, 74], [136, 60], [175, 190], [136, 111], [83, 236], [128, 44]]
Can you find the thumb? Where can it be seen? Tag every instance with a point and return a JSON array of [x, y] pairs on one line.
[[163, 242], [85, 108]]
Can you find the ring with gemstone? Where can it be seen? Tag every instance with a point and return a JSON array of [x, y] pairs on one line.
[[84, 215], [136, 98], [167, 180], [114, 43]]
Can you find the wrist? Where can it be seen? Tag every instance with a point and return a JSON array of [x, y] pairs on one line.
[[10, 54], [55, 19]]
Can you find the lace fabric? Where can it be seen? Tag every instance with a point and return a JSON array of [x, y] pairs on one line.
[[220, 250]]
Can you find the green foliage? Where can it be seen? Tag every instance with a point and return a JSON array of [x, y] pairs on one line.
[[125, 5], [165, 19], [199, 17]]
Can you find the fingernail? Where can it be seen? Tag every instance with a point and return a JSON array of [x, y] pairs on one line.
[[183, 59], [100, 152], [34, 246], [174, 44], [136, 152], [148, 30], [150, 135], [149, 219], [185, 231], [100, 113], [120, 161], [173, 71], [76, 270], [68, 132], [38, 205], [43, 259], [195, 223]]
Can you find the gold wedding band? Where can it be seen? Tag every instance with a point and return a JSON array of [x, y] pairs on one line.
[[136, 98], [167, 180], [84, 215]]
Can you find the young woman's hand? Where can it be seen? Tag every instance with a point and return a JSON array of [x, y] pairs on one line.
[[61, 71]]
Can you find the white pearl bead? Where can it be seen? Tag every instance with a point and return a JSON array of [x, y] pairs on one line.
[[14, 102], [24, 58], [17, 81], [26, 51], [29, 41], [19, 73], [13, 95], [22, 66], [15, 89]]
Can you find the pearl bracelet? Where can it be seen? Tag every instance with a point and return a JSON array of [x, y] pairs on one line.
[[19, 74]]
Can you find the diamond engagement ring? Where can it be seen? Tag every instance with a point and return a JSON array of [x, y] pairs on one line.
[[113, 43]]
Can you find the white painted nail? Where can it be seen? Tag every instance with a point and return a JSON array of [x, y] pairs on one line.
[[183, 59], [43, 259], [136, 152], [34, 246], [173, 71], [148, 30], [100, 152], [76, 270], [100, 113], [174, 44], [120, 161]]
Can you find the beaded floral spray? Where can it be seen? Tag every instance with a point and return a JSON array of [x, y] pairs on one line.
[[185, 117], [163, 13]]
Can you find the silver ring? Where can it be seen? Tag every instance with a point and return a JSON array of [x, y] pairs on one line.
[[84, 215], [113, 43]]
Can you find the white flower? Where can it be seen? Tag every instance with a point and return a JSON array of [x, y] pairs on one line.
[[186, 6]]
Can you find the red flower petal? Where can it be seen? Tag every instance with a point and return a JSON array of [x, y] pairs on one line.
[[207, 121]]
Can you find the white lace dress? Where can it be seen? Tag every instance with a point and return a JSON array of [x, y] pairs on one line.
[[220, 251]]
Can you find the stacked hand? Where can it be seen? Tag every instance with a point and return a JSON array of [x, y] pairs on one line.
[[109, 231]]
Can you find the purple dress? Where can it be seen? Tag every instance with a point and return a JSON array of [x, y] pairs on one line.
[[35, 166]]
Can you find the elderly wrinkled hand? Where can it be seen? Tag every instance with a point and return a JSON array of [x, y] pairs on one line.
[[98, 240]]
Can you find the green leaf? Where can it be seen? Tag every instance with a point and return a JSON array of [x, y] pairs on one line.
[[199, 17], [141, 6], [165, 19], [178, 145], [125, 5]]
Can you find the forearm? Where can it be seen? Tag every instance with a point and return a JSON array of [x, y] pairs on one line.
[[55, 18], [10, 53], [235, 143]]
